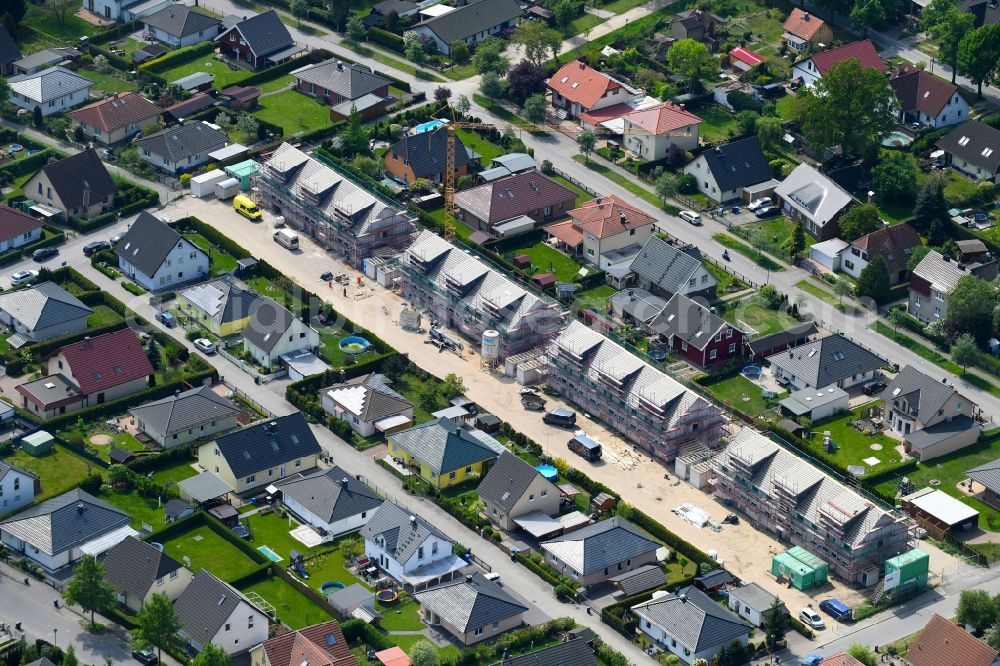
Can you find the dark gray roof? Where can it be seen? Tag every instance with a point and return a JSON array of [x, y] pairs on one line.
[[714, 578], [268, 322], [73, 176], [43, 305], [988, 474], [427, 152], [975, 142], [473, 18], [265, 33], [379, 400], [693, 619], [826, 361], [924, 395], [47, 57], [664, 265], [349, 81], [205, 605], [225, 300], [184, 141], [63, 522], [402, 535], [185, 411], [601, 545], [398, 6], [470, 603], [574, 652], [176, 507], [268, 444], [688, 321], [507, 481], [9, 50], [352, 596], [180, 21], [738, 164], [445, 447], [147, 243], [331, 495], [639, 580], [133, 566], [927, 437], [783, 338], [753, 595]]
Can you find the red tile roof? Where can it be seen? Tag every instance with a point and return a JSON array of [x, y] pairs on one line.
[[567, 232], [802, 24], [394, 656], [310, 646], [582, 84], [920, 90], [891, 243], [863, 51], [116, 112], [840, 659], [608, 216], [598, 116], [107, 361], [746, 55], [14, 223], [665, 117], [942, 643]]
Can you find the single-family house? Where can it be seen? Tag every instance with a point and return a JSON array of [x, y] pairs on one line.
[[472, 610], [75, 186], [689, 624], [425, 155], [809, 197], [443, 453], [262, 454], [332, 501], [724, 171], [470, 23], [123, 10], [273, 331], [181, 148], [60, 531], [51, 90], [692, 331], [649, 133], [44, 59], [576, 651], [664, 269], [368, 404], [932, 417], [17, 229], [578, 88], [925, 99], [116, 119], [529, 194], [318, 645], [600, 551], [601, 226], [830, 360], [179, 26], [409, 549], [88, 372], [337, 82], [971, 149], [261, 40], [934, 278], [138, 570], [154, 255], [803, 31], [41, 312], [944, 642], [696, 24], [815, 404], [222, 306], [211, 611], [752, 603], [9, 52], [17, 488], [814, 67], [893, 243], [513, 488], [186, 417]]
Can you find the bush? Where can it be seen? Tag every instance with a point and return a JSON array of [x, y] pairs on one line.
[[386, 39], [687, 184]]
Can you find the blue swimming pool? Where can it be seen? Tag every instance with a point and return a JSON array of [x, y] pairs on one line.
[[270, 554], [548, 471], [428, 126]]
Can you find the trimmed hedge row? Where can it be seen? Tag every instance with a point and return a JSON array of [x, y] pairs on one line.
[[271, 73], [386, 39], [178, 57], [138, 198], [29, 164], [542, 572], [359, 631]]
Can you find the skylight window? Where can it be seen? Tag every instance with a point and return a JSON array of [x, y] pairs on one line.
[[576, 84], [964, 141], [564, 79], [987, 152], [838, 356], [97, 376], [812, 352], [927, 93]]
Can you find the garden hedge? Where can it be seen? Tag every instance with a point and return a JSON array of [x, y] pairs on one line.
[[359, 631], [178, 57], [199, 519], [136, 198], [386, 39], [29, 164]]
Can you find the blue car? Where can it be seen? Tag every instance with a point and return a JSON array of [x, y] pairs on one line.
[[836, 609], [812, 660]]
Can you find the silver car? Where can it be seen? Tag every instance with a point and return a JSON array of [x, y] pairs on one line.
[[205, 346]]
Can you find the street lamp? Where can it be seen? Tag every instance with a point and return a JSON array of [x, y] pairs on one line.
[[54, 633]]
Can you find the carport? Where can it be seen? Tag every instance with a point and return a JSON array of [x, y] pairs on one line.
[[940, 513]]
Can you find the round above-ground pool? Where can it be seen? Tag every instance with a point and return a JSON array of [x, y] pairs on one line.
[[897, 140], [15, 147], [387, 596], [331, 585], [354, 344], [547, 471], [751, 370], [657, 354]]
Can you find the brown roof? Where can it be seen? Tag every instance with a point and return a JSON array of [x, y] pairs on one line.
[[318, 645], [106, 361], [609, 216], [193, 104], [509, 197], [116, 112], [578, 82], [662, 118], [893, 244], [13, 223], [942, 643], [863, 51], [840, 659], [241, 93], [802, 24], [920, 90]]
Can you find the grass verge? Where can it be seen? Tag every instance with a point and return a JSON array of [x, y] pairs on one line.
[[758, 258]]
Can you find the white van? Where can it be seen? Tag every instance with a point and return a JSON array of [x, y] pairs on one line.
[[287, 238]]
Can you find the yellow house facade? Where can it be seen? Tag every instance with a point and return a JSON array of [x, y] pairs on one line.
[[444, 454], [221, 306]]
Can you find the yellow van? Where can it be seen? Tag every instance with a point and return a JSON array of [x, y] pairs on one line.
[[243, 205]]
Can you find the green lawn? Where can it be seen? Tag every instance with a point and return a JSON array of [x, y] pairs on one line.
[[487, 149], [742, 394], [408, 386], [462, 230], [630, 184], [622, 6], [221, 262], [404, 616], [773, 235], [294, 112], [224, 77], [812, 287], [102, 315], [142, 510], [461, 72], [717, 123], [291, 606], [545, 259], [59, 471], [783, 105], [46, 32], [4, 344], [763, 320], [725, 280], [175, 474], [854, 446], [105, 82], [583, 23], [758, 258], [208, 550], [277, 84], [595, 298]]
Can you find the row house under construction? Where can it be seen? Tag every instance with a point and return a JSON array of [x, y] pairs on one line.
[[785, 495], [336, 212], [640, 402]]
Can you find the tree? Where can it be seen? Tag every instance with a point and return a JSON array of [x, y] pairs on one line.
[[863, 654], [977, 609], [490, 57], [535, 109], [797, 243], [463, 104], [929, 206], [69, 657], [153, 354], [538, 41], [16, 9], [459, 53], [564, 12], [851, 107], [868, 13], [413, 47], [211, 655], [157, 624], [442, 94], [894, 178], [586, 141], [300, 8], [690, 59], [965, 352], [37, 119], [428, 394], [452, 386], [60, 9], [992, 636], [978, 52], [874, 281], [423, 653], [775, 623], [247, 124], [970, 310], [746, 122], [917, 255], [224, 121], [842, 287], [666, 186], [355, 135], [860, 220], [391, 22], [88, 589], [356, 29], [491, 86], [368, 166], [524, 80], [769, 131], [101, 63], [947, 27]]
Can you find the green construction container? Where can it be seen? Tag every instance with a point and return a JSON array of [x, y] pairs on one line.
[[242, 171], [38, 443], [803, 569], [913, 567]]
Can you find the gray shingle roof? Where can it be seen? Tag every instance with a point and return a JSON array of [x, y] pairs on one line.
[[975, 142], [326, 494], [826, 361], [664, 265], [133, 566], [188, 410], [507, 481], [923, 394], [987, 474], [379, 399], [813, 194], [205, 605], [268, 444], [471, 603], [48, 84], [753, 595], [574, 652], [348, 81], [265, 33], [9, 51], [42, 306], [738, 164], [46, 57], [639, 580], [940, 431], [268, 322], [688, 321], [473, 18], [693, 619], [63, 522], [147, 243], [180, 21], [74, 176], [402, 535], [180, 143], [427, 152], [445, 447], [601, 545]]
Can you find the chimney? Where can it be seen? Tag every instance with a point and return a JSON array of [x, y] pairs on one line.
[[79, 508], [177, 393], [468, 578], [805, 16], [413, 521], [623, 220], [946, 258], [343, 482], [340, 65], [582, 66]]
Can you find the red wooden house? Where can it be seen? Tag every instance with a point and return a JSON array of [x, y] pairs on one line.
[[693, 332]]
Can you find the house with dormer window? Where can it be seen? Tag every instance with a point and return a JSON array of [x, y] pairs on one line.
[[154, 255], [211, 611]]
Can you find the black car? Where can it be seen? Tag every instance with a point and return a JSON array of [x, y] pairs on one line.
[[43, 253], [873, 387], [147, 657], [95, 247], [326, 277], [767, 211]]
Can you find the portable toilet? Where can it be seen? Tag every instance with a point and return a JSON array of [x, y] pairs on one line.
[[38, 443], [906, 574]]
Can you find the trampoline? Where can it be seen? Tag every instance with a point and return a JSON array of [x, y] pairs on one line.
[[387, 596], [751, 371], [657, 354], [548, 472]]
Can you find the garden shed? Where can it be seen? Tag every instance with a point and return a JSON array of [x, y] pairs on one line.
[[38, 443], [800, 567]]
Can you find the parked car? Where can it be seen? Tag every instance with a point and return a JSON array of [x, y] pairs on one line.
[[759, 203], [767, 211], [147, 657], [43, 253], [836, 609], [95, 247], [812, 660], [167, 318], [691, 217], [23, 277], [873, 387], [205, 346], [117, 238], [811, 618], [327, 277], [560, 417]]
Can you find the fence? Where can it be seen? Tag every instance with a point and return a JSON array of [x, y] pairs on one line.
[[574, 181], [258, 376]]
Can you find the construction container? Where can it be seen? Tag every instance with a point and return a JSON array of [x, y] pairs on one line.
[[204, 184], [800, 567], [906, 574], [243, 171], [38, 443], [227, 189]]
